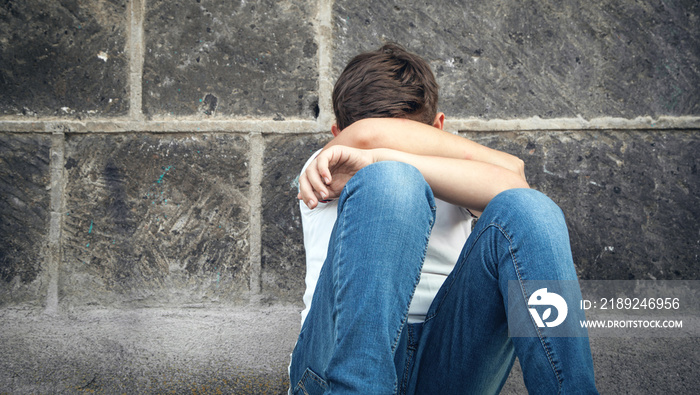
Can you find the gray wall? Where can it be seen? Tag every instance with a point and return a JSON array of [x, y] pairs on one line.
[[149, 233]]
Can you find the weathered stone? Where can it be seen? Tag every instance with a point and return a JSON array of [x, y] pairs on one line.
[[540, 58], [283, 259], [632, 199], [155, 218], [221, 350], [210, 57], [246, 351], [24, 213], [63, 58]]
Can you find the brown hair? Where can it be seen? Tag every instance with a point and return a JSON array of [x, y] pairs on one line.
[[387, 83]]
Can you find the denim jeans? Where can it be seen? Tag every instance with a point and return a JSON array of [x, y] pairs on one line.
[[355, 338]]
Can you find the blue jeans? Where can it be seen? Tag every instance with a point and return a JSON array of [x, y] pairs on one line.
[[355, 338]]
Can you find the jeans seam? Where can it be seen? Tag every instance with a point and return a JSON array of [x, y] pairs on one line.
[[410, 352], [313, 376], [406, 370], [540, 336], [319, 381], [395, 343], [405, 315], [336, 272]]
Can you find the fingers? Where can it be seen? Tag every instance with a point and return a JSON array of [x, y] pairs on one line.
[[311, 188], [317, 183], [322, 166], [313, 174], [306, 192]]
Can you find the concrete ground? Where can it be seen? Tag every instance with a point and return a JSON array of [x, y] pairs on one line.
[[244, 350], [185, 350]]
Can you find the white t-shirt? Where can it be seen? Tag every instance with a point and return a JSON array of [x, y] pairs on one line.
[[450, 231]]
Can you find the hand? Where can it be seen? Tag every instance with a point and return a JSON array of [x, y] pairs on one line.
[[326, 176]]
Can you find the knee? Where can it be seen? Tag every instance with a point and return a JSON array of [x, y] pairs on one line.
[[528, 205], [394, 184]]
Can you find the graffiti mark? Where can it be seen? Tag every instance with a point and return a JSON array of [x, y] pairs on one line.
[[160, 180]]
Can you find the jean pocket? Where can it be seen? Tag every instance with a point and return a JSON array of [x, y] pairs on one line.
[[310, 384]]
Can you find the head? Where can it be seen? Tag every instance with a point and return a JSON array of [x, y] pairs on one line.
[[387, 83]]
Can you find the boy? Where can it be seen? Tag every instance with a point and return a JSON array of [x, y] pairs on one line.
[[402, 296]]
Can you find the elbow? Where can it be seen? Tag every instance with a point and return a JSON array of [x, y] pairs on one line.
[[522, 183], [360, 135], [521, 180], [519, 165], [513, 180], [365, 140]]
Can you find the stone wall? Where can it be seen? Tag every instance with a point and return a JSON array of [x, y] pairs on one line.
[[149, 233]]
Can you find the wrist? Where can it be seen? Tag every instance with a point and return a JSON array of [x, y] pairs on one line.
[[384, 154]]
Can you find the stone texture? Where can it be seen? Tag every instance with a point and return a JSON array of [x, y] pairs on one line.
[[155, 219], [283, 259], [631, 198], [241, 350], [24, 213], [540, 58], [65, 58], [246, 351], [208, 57]]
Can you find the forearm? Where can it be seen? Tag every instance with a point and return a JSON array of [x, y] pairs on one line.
[[499, 158], [421, 139], [467, 183], [403, 135]]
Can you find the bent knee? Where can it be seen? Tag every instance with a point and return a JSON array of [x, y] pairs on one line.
[[529, 203], [391, 172], [398, 183], [388, 177]]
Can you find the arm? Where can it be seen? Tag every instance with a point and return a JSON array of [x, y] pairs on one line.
[[451, 179], [421, 139]]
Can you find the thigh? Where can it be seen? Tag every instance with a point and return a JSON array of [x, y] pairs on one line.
[[362, 296]]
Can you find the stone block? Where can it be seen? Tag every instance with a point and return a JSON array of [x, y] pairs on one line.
[[208, 58], [63, 58], [283, 259], [540, 58], [155, 219], [24, 214], [631, 198]]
